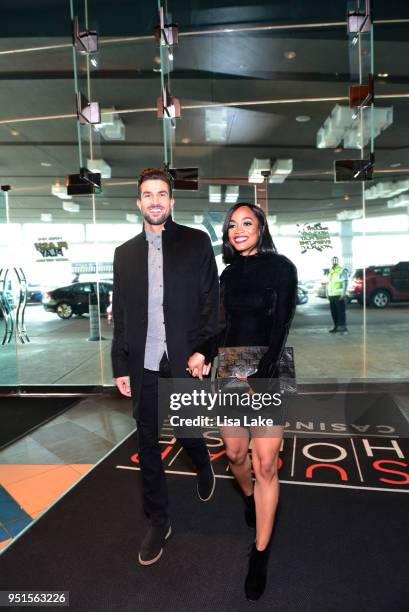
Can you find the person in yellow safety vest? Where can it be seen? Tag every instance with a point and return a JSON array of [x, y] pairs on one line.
[[336, 290]]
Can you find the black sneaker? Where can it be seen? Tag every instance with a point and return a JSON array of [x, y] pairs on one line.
[[333, 330], [152, 545], [342, 330], [206, 482]]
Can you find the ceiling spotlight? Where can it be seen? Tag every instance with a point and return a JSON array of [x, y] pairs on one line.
[[346, 197], [383, 75], [290, 55], [185, 141], [71, 207], [111, 127], [303, 118], [280, 170], [232, 194], [46, 217], [46, 165], [60, 191], [346, 215], [216, 124], [14, 133], [259, 169], [402, 200], [386, 189], [215, 194], [132, 217], [341, 126], [99, 165]]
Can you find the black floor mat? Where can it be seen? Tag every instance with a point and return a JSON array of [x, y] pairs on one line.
[[333, 548], [19, 415]]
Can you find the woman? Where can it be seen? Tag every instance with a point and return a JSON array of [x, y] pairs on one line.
[[258, 296]]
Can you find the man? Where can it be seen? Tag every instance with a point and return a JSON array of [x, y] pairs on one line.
[[336, 291], [165, 300]]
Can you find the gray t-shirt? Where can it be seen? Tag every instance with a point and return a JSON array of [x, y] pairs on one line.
[[156, 336]]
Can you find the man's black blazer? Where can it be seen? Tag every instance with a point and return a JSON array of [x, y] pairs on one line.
[[190, 300]]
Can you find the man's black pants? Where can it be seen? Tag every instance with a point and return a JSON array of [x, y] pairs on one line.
[[337, 307], [155, 494]]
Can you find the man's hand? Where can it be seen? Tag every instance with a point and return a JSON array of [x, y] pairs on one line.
[[123, 385], [196, 366]]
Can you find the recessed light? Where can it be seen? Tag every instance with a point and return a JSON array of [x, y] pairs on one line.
[[383, 75], [397, 165], [346, 197], [303, 118], [185, 141], [290, 55], [14, 133], [46, 165]]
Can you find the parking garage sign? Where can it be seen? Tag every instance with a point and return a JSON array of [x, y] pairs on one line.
[[52, 248], [313, 237]]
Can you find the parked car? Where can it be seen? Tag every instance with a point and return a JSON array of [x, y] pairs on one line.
[[302, 295], [34, 292], [74, 298], [384, 284]]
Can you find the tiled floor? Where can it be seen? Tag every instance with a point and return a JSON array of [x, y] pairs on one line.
[[36, 470]]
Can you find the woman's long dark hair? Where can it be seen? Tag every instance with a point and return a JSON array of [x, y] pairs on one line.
[[265, 245]]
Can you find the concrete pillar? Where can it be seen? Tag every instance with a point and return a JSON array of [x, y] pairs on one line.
[[262, 196]]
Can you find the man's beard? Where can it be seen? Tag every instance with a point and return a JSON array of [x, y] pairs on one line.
[[156, 220]]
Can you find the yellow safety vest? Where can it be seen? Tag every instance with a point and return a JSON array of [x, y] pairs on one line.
[[336, 281]]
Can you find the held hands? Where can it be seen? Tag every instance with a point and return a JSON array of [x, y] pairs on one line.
[[123, 385], [196, 366]]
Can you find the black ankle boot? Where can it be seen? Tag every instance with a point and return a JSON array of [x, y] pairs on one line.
[[250, 511], [256, 580]]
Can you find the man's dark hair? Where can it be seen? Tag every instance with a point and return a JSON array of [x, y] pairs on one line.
[[158, 174], [265, 243]]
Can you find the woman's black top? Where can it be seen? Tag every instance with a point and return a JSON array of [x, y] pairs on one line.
[[258, 296]]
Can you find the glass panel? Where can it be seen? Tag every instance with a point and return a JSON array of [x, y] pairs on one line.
[[260, 100], [52, 246], [266, 92], [9, 295], [386, 226]]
